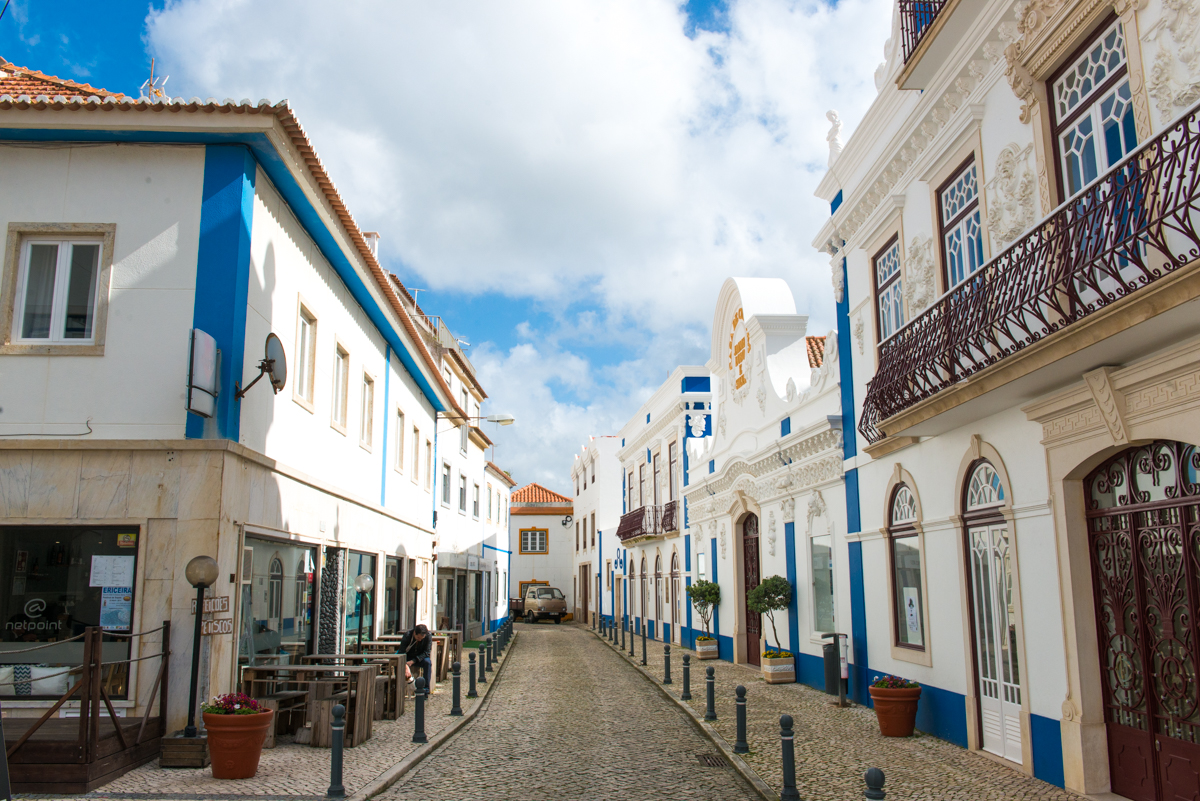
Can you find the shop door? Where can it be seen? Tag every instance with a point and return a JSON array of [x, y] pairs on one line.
[[1144, 540], [994, 621], [752, 576], [585, 586]]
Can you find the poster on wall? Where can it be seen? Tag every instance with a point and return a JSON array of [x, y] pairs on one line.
[[912, 613], [111, 571], [116, 608]]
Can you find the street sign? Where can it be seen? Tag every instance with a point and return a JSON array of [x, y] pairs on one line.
[[220, 604], [220, 626]]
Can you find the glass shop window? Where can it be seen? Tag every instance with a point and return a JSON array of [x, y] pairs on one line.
[[822, 581], [278, 596], [359, 606], [60, 580]]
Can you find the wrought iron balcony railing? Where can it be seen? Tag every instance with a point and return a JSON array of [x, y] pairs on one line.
[[916, 17], [648, 521], [1133, 226]]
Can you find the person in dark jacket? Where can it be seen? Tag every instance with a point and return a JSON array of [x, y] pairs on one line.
[[417, 646]]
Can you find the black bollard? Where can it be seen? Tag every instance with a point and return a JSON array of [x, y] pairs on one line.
[[482, 662], [666, 663], [419, 713], [632, 639], [874, 780], [741, 747], [456, 683], [491, 652], [789, 760], [686, 695], [593, 621], [471, 677], [643, 642], [622, 635], [710, 713], [612, 631], [336, 788]]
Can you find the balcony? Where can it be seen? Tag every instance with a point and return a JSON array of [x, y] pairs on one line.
[[930, 30], [648, 522], [916, 19], [1121, 252]]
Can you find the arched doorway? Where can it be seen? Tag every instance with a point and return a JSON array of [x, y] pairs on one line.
[[1143, 515], [642, 599], [752, 576], [993, 613], [658, 596], [676, 609]]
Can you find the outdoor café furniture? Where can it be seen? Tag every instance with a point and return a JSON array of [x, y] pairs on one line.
[[389, 694], [325, 686]]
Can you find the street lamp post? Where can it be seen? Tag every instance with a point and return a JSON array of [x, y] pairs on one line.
[[364, 584], [415, 584], [201, 573]]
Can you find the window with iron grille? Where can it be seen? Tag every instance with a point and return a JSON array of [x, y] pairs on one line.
[[889, 289], [960, 224]]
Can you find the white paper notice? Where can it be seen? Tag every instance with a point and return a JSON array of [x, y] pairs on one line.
[[913, 614], [112, 571]]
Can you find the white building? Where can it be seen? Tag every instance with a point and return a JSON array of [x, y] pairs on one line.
[[764, 492], [655, 542], [599, 561], [1014, 248], [130, 225], [539, 539]]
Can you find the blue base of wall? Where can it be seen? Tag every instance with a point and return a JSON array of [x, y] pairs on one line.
[[724, 647], [810, 670], [1046, 735]]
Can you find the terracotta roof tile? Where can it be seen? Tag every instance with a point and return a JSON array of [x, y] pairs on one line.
[[816, 351], [536, 493], [17, 81]]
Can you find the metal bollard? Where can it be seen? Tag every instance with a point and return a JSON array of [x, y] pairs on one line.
[[741, 747], [491, 653], [419, 713], [789, 760], [593, 621], [612, 632], [471, 677], [874, 780], [686, 695], [456, 683], [482, 662], [710, 713], [666, 663], [643, 642], [336, 788], [623, 626], [632, 639]]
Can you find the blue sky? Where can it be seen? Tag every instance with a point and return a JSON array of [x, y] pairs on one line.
[[570, 181]]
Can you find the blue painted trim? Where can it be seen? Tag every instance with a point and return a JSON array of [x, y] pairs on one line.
[[387, 413], [1046, 740], [943, 714], [836, 203], [785, 427], [789, 547], [647, 417], [695, 383], [853, 513], [716, 617], [276, 167], [690, 632], [647, 449], [687, 553], [494, 548], [810, 670], [846, 373], [712, 466], [223, 278], [858, 627], [666, 632]]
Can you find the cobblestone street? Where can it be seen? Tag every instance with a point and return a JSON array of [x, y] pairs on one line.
[[568, 720]]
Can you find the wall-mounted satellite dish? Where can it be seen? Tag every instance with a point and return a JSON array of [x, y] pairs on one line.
[[273, 365]]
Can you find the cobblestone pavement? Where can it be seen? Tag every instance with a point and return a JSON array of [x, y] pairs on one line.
[[834, 747], [568, 720]]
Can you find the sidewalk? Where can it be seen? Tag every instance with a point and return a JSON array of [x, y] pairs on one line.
[[834, 747]]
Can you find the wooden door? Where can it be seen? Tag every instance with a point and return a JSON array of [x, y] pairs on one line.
[[752, 576]]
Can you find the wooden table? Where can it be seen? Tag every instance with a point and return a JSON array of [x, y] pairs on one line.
[[393, 647], [393, 667], [325, 685]]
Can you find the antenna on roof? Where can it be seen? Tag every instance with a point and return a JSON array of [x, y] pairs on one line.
[[2, 10], [153, 89], [414, 293]]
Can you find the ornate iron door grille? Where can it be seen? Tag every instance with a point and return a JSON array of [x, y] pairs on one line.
[[1144, 541], [750, 563]]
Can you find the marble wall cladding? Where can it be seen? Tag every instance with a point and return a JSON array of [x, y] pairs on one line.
[[153, 484], [54, 484], [15, 467], [103, 484], [158, 553], [200, 484]]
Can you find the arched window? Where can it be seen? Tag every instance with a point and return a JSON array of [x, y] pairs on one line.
[[984, 489], [905, 547], [275, 589], [676, 610], [643, 593], [658, 588]]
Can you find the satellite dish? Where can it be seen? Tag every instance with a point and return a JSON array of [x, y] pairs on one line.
[[273, 365]]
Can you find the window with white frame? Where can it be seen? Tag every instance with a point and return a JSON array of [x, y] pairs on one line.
[[576, 535], [629, 493], [445, 484], [960, 224], [56, 293], [416, 455], [889, 289], [672, 470], [400, 442], [462, 493], [428, 464], [533, 540], [821, 555], [641, 485], [1092, 110], [306, 354], [475, 501], [593, 529], [465, 428], [489, 494], [584, 471], [907, 596], [341, 387], [366, 426], [701, 569]]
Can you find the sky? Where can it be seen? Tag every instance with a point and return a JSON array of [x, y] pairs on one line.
[[569, 182]]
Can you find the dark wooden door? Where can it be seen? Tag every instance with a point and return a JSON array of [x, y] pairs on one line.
[[585, 602], [1144, 540], [752, 577]]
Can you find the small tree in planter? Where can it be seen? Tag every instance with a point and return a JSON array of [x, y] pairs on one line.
[[771, 596], [705, 595]]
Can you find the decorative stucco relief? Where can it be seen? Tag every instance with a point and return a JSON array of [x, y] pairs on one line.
[[918, 276], [816, 508], [1109, 402], [696, 421], [1012, 209], [859, 330], [1174, 81], [761, 397], [834, 137], [721, 540], [1164, 394], [789, 510], [1069, 424], [771, 533], [835, 272]]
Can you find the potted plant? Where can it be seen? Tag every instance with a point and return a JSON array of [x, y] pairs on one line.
[[771, 596], [237, 726], [895, 700], [704, 595]]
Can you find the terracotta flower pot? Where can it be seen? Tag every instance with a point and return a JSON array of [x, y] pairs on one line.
[[896, 710], [235, 743], [707, 649]]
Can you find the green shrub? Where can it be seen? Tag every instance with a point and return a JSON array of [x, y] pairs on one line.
[[704, 595], [771, 596]]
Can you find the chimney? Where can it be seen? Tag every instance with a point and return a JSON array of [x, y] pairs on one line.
[[372, 238]]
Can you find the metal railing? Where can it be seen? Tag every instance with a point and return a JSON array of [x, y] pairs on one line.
[[1133, 226], [649, 521], [916, 18]]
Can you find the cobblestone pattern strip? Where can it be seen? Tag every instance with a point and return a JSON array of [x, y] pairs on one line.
[[568, 721], [835, 747]]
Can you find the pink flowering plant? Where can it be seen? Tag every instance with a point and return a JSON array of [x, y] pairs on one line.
[[233, 704], [894, 683]]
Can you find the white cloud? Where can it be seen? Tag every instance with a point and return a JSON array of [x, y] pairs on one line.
[[540, 148]]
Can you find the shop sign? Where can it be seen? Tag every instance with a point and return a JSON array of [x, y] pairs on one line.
[[116, 608], [222, 625], [220, 604], [472, 563]]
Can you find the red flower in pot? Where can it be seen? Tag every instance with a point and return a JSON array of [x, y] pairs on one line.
[[895, 700], [237, 726]]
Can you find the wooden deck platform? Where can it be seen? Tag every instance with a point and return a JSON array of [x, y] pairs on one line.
[[52, 760]]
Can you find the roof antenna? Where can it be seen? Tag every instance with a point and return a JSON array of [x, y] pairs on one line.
[[2, 10], [153, 89]]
